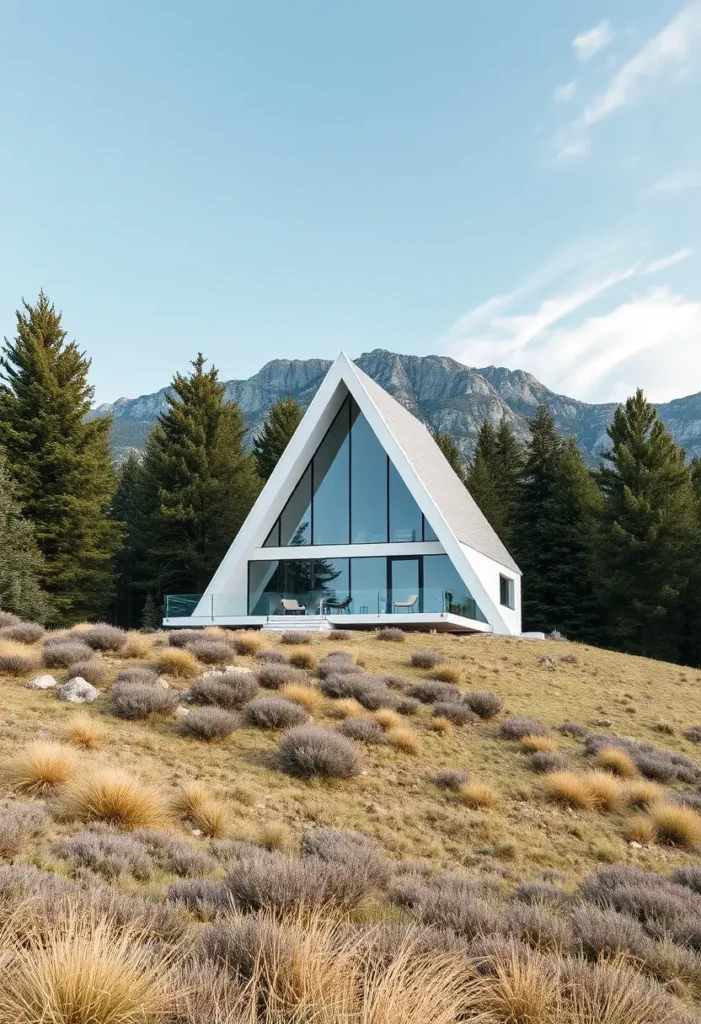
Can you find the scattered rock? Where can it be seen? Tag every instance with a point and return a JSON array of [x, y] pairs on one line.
[[636, 846], [163, 682], [78, 691], [44, 682], [547, 662], [604, 723], [181, 712], [197, 831]]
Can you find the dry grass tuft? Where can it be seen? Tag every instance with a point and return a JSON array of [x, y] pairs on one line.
[[405, 740], [39, 768], [84, 731], [137, 645], [539, 743], [303, 657], [616, 761], [445, 673], [608, 792], [641, 829], [246, 642], [477, 794], [299, 693], [117, 798], [194, 802], [16, 659], [176, 662], [387, 718], [642, 793], [443, 726], [676, 825], [569, 788], [521, 987], [346, 707]]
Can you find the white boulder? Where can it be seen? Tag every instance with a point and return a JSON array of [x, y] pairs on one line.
[[78, 691]]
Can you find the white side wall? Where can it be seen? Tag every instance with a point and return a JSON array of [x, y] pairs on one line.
[[489, 572]]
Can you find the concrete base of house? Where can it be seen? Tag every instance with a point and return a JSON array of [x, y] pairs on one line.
[[426, 622]]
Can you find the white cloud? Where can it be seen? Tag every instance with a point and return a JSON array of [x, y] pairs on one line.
[[565, 93], [668, 51], [587, 44], [647, 340], [668, 261], [672, 184]]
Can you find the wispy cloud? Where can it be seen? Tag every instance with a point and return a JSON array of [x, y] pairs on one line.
[[672, 184], [668, 261], [667, 52], [587, 44], [565, 93]]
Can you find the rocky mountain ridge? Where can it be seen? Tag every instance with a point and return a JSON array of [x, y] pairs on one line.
[[445, 394]]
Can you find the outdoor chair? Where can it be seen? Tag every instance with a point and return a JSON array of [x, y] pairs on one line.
[[337, 606], [409, 604], [291, 606]]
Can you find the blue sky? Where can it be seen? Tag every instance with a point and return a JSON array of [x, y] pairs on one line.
[[507, 183]]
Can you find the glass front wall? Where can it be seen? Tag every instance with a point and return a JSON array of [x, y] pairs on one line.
[[359, 586], [350, 493]]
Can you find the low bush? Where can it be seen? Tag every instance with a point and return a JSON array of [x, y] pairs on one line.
[[574, 729], [176, 662], [108, 853], [339, 635], [209, 690], [272, 656], [210, 651], [65, 653], [689, 877], [38, 768], [137, 674], [273, 676], [617, 761], [242, 682], [201, 897], [295, 638], [426, 659], [274, 713], [309, 750], [8, 619], [303, 657], [483, 703], [603, 931], [23, 632], [365, 730], [391, 634], [93, 672], [541, 892], [548, 761], [114, 797], [194, 802], [517, 728], [445, 673], [693, 733], [535, 743], [17, 659], [174, 854], [652, 762], [405, 740], [431, 692], [477, 794], [676, 825], [19, 824], [83, 731], [640, 828], [457, 714], [182, 637], [248, 642], [308, 696], [395, 683], [355, 850], [407, 705], [656, 768], [368, 690], [452, 778], [102, 637], [208, 724], [134, 701], [338, 667], [569, 788]]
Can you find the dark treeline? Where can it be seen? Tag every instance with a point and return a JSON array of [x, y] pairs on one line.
[[610, 556]]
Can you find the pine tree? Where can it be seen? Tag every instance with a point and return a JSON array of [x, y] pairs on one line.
[[449, 448], [555, 535], [20, 562], [61, 463], [280, 424], [151, 616], [649, 546], [199, 484], [508, 454], [127, 509]]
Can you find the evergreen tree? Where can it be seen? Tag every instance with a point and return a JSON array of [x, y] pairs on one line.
[[20, 564], [151, 615], [649, 546], [280, 424], [493, 478], [480, 480], [61, 464], [555, 535], [127, 509], [449, 448], [199, 484]]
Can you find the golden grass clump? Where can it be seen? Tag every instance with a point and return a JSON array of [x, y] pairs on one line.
[[532, 742], [617, 761], [39, 768], [84, 731], [302, 657], [345, 707], [176, 662], [676, 824], [445, 673], [570, 789], [522, 988], [640, 828], [117, 798], [83, 971], [194, 802], [405, 740], [477, 794], [246, 641], [642, 793], [137, 645], [388, 719], [299, 693], [274, 835], [608, 792], [443, 726], [18, 659]]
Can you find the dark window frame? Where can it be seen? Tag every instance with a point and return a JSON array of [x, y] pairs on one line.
[[507, 589]]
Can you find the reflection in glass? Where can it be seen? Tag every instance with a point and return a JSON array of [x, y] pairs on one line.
[[429, 533], [273, 538], [331, 585], [296, 518], [368, 483], [263, 579], [404, 513], [368, 585], [404, 585], [331, 483], [444, 590]]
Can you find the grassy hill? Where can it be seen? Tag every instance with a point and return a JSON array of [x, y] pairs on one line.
[[507, 888]]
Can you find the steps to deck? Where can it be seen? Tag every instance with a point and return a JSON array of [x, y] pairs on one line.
[[301, 623]]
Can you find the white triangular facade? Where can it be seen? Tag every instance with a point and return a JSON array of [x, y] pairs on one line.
[[456, 529]]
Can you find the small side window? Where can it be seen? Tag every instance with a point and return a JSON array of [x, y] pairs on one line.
[[506, 592]]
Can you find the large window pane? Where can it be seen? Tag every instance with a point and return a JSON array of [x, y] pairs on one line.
[[273, 538], [368, 483], [331, 483], [263, 587], [368, 585], [331, 584], [405, 596], [296, 519], [429, 532], [445, 591], [296, 580], [404, 514]]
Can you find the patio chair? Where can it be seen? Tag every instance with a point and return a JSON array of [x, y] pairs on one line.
[[291, 606], [409, 604], [331, 603]]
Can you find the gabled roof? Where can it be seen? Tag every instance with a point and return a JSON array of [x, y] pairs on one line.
[[454, 502]]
